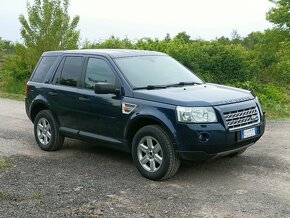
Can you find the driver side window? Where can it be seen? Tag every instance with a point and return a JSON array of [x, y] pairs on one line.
[[98, 71]]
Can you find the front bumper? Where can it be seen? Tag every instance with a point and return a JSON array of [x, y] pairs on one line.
[[206, 141], [201, 155]]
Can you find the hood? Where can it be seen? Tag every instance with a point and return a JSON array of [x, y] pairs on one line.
[[197, 95]]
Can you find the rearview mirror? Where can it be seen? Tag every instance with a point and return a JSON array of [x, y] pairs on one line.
[[106, 88]]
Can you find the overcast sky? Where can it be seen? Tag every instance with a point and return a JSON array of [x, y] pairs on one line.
[[99, 19]]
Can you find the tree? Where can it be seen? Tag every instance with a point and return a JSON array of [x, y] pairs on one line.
[[49, 26], [6, 47], [235, 36], [167, 37], [280, 15], [183, 36], [224, 40], [280, 41]]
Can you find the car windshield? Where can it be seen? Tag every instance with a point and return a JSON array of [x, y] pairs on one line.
[[155, 71]]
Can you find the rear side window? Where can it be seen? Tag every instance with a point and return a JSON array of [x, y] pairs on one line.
[[43, 68], [71, 70], [56, 77]]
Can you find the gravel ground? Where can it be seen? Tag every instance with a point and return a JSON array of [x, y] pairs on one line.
[[86, 180]]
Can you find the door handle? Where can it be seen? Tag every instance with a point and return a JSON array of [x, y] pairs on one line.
[[84, 99], [52, 93]]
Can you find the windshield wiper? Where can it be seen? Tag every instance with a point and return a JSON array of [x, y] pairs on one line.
[[150, 87], [183, 84]]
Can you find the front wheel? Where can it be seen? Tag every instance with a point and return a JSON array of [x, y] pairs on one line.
[[153, 153], [46, 132]]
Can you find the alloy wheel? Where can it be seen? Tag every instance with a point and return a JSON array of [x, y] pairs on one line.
[[43, 131], [150, 154]]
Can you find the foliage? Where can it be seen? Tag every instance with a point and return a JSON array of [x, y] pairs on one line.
[[5, 164], [280, 15], [275, 99], [111, 42], [16, 70], [259, 62], [6, 47], [48, 27], [216, 62], [183, 36], [19, 97]]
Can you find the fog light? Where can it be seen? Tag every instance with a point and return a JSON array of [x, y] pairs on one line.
[[203, 137]]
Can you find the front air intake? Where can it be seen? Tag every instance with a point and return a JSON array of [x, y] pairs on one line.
[[242, 118]]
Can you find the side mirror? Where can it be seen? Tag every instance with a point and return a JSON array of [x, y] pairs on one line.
[[106, 88]]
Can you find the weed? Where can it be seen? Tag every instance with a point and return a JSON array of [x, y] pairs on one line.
[[5, 196], [37, 195], [5, 164], [12, 96]]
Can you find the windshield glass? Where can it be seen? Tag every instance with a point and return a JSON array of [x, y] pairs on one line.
[[143, 71]]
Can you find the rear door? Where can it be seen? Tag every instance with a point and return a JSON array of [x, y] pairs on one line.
[[63, 92]]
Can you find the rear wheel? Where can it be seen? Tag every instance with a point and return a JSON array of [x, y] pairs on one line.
[[46, 132], [153, 153]]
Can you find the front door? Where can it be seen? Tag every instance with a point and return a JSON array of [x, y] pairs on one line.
[[100, 114]]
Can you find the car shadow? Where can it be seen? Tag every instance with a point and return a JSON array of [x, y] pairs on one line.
[[82, 149], [189, 171]]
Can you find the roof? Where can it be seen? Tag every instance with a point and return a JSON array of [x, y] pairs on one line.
[[113, 53]]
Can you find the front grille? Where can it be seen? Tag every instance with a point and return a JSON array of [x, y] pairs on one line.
[[242, 118]]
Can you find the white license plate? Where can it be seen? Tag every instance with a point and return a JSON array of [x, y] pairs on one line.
[[247, 133]]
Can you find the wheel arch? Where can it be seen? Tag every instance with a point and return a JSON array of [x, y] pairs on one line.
[[38, 105], [144, 120]]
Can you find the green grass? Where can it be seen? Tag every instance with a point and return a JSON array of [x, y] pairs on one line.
[[13, 96], [12, 89], [277, 111], [37, 195], [5, 164], [5, 196], [275, 100]]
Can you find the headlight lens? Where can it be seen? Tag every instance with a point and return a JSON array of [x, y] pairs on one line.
[[259, 105], [196, 114]]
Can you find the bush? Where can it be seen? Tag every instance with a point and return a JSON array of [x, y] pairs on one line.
[[214, 61], [274, 100], [16, 70], [260, 62]]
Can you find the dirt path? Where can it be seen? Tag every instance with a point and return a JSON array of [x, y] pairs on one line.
[[84, 179]]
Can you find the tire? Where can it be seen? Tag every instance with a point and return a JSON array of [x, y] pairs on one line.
[[153, 153], [46, 132], [238, 153]]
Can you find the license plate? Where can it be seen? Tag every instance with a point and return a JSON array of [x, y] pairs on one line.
[[247, 133]]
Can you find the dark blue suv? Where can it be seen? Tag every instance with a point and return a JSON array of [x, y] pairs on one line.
[[143, 102]]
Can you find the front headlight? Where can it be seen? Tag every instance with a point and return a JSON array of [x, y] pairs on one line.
[[196, 114], [259, 105]]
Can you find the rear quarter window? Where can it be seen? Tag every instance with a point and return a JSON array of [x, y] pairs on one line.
[[43, 68]]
